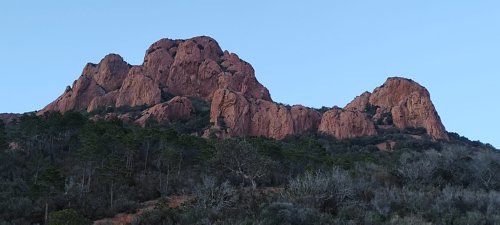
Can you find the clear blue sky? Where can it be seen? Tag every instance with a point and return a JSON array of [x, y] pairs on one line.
[[318, 53]]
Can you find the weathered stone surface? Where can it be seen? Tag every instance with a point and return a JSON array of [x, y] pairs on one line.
[[77, 98], [238, 115], [175, 109], [102, 102], [111, 72], [138, 90], [304, 119], [239, 76], [195, 67], [230, 113], [94, 82], [241, 106], [346, 124], [270, 120], [184, 78], [158, 59], [360, 102], [410, 106]]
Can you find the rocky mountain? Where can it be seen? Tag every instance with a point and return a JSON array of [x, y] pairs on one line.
[[197, 68]]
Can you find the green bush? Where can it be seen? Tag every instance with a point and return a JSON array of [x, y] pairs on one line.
[[67, 217]]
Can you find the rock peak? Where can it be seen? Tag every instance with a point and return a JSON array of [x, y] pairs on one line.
[[197, 68]]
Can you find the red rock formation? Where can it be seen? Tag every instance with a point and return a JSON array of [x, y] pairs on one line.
[[359, 103], [270, 120], [138, 89], [304, 119], [158, 60], [408, 103], [241, 106], [111, 72], [230, 112], [195, 67], [184, 78], [101, 102], [238, 115], [78, 98], [346, 124], [239, 76], [175, 109]]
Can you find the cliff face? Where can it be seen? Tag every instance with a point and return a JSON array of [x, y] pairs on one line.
[[346, 124], [240, 105], [195, 67], [401, 103], [234, 115]]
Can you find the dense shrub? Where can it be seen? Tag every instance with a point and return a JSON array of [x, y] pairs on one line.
[[67, 217], [83, 169]]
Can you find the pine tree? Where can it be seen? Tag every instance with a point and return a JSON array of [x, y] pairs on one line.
[[3, 136]]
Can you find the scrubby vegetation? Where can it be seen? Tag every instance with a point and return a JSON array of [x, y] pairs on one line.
[[67, 168]]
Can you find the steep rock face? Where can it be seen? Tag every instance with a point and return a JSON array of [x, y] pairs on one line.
[[230, 112], [184, 78], [175, 109], [270, 120], [194, 67], [401, 103], [239, 76], [409, 105], [137, 90], [241, 106], [158, 60], [360, 102], [104, 101], [111, 72], [346, 124], [77, 98], [304, 119], [238, 115]]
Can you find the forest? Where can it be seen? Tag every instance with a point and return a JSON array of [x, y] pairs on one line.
[[69, 169]]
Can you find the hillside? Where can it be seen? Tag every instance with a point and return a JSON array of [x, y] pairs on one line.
[[191, 137]]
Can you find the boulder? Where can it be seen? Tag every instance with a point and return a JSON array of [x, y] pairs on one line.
[[176, 109]]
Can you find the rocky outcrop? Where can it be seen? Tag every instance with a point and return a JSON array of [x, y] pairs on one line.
[[399, 102], [138, 89], [111, 72], [195, 67], [240, 105], [237, 115], [77, 98], [269, 119], [185, 77], [409, 104], [177, 108], [344, 124], [102, 102], [304, 119], [158, 60], [359, 103], [239, 76], [230, 113]]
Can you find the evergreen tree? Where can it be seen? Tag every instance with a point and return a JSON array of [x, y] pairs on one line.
[[3, 138]]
